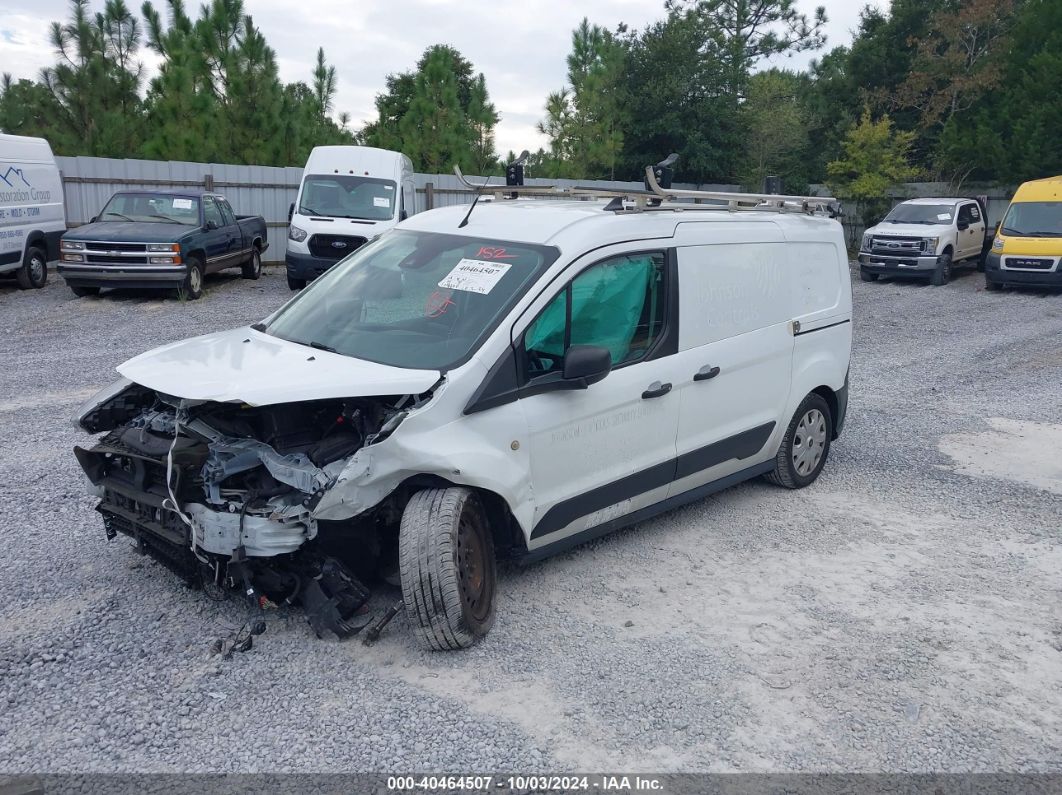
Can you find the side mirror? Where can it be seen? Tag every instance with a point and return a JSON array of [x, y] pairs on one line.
[[403, 215], [586, 364], [92, 220], [963, 225], [291, 211]]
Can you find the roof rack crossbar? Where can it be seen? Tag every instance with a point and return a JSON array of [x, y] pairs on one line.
[[762, 202]]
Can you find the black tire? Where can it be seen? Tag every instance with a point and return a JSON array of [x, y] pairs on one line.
[[296, 284], [942, 274], [867, 276], [992, 287], [787, 472], [446, 563], [252, 269], [34, 270], [192, 288], [81, 292], [982, 261]]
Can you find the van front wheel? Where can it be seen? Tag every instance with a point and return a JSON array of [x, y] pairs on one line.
[[447, 566], [34, 270], [805, 446]]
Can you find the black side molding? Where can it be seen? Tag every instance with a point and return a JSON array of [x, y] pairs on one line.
[[821, 328]]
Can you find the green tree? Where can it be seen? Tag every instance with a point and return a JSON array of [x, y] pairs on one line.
[[583, 120], [673, 99], [28, 108], [439, 115], [182, 109], [776, 131], [746, 31], [96, 79], [875, 160]]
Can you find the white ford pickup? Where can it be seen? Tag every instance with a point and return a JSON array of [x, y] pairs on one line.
[[924, 238]]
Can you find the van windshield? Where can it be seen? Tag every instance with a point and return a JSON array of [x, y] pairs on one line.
[[921, 214], [1033, 219], [419, 300], [156, 208], [348, 196]]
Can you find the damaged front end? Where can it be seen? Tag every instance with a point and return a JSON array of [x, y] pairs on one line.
[[224, 493]]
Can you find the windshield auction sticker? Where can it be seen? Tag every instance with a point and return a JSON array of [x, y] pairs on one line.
[[475, 276]]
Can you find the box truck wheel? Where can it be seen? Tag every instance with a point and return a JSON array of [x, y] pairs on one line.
[[446, 562]]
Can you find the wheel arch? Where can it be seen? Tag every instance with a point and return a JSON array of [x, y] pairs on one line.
[[505, 529]]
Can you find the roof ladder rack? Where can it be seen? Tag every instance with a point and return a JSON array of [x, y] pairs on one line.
[[657, 196]]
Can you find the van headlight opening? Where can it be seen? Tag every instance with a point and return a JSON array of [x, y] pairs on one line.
[[296, 234], [997, 244]]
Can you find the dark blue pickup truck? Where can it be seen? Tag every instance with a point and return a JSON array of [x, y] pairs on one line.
[[167, 239]]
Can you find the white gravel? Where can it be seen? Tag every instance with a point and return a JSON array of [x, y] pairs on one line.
[[900, 615]]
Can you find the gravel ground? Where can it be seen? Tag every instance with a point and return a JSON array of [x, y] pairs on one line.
[[900, 615]]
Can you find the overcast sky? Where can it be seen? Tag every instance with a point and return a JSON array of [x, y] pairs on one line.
[[520, 45]]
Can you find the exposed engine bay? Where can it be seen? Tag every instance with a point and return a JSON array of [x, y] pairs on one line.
[[224, 494]]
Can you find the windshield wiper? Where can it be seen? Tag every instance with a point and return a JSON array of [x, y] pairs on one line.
[[320, 346], [126, 217], [259, 326]]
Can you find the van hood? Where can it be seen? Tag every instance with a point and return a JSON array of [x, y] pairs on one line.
[[910, 230], [250, 367]]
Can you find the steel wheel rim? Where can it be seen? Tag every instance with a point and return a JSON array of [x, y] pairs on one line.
[[256, 265], [809, 440], [472, 567], [36, 269], [195, 280]]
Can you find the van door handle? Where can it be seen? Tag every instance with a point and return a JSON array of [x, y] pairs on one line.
[[655, 390], [705, 373]]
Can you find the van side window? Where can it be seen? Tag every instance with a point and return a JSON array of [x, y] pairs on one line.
[[211, 212], [618, 304]]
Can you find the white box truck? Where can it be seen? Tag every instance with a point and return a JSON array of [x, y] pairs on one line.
[[32, 215], [348, 196]]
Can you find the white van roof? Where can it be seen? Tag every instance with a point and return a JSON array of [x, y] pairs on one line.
[[23, 149], [360, 160], [582, 223]]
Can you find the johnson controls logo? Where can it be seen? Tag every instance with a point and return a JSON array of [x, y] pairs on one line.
[[16, 189]]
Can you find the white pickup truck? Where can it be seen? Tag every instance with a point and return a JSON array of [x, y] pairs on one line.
[[924, 238]]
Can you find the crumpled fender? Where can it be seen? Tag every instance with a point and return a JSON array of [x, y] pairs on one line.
[[475, 450]]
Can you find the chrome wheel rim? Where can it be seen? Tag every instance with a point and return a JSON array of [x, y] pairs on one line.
[[36, 269], [257, 264], [809, 440], [195, 280]]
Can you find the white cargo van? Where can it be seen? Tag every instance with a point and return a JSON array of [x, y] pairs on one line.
[[348, 195], [32, 215], [513, 381]]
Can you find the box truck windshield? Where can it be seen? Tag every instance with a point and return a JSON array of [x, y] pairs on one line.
[[348, 196]]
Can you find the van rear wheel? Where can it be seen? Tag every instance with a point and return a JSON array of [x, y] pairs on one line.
[[446, 562], [805, 446]]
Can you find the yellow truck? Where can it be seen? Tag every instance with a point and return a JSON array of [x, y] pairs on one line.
[[1027, 249]]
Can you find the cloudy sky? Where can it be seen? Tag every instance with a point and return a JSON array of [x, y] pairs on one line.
[[520, 45]]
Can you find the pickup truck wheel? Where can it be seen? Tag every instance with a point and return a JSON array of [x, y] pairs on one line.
[[34, 270], [296, 284], [805, 446], [252, 269], [81, 292], [942, 275], [193, 281], [867, 276], [446, 562]]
